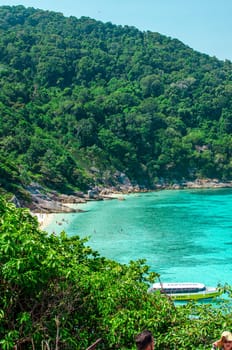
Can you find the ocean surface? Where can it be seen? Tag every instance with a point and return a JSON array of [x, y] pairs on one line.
[[184, 235]]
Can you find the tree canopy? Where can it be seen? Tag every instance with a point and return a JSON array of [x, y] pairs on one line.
[[58, 293], [77, 94]]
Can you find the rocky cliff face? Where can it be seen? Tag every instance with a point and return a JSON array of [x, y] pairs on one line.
[[43, 201]]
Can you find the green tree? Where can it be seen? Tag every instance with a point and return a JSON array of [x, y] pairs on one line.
[[57, 291]]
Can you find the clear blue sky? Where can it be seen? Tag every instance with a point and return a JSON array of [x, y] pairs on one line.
[[204, 25]]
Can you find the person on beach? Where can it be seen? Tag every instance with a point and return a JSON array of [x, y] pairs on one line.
[[145, 341], [225, 342]]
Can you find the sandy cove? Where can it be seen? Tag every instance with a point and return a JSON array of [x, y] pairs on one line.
[[44, 219], [65, 203]]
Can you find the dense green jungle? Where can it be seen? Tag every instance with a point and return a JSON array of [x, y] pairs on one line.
[[82, 101]]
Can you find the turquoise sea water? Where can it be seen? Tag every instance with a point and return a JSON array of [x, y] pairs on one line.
[[185, 235]]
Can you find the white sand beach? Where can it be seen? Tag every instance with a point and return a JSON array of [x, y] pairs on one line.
[[44, 219]]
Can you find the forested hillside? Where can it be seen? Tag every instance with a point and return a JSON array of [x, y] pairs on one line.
[[82, 101]]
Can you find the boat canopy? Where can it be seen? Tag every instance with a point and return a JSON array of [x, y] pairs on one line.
[[185, 287]]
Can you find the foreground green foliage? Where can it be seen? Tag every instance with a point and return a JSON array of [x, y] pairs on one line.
[[57, 292], [81, 100]]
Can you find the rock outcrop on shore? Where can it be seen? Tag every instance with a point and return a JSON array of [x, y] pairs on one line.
[[198, 184], [43, 201]]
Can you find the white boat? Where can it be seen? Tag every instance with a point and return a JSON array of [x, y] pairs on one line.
[[186, 290]]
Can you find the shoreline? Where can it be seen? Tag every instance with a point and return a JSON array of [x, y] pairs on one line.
[[44, 219], [202, 184], [60, 203]]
